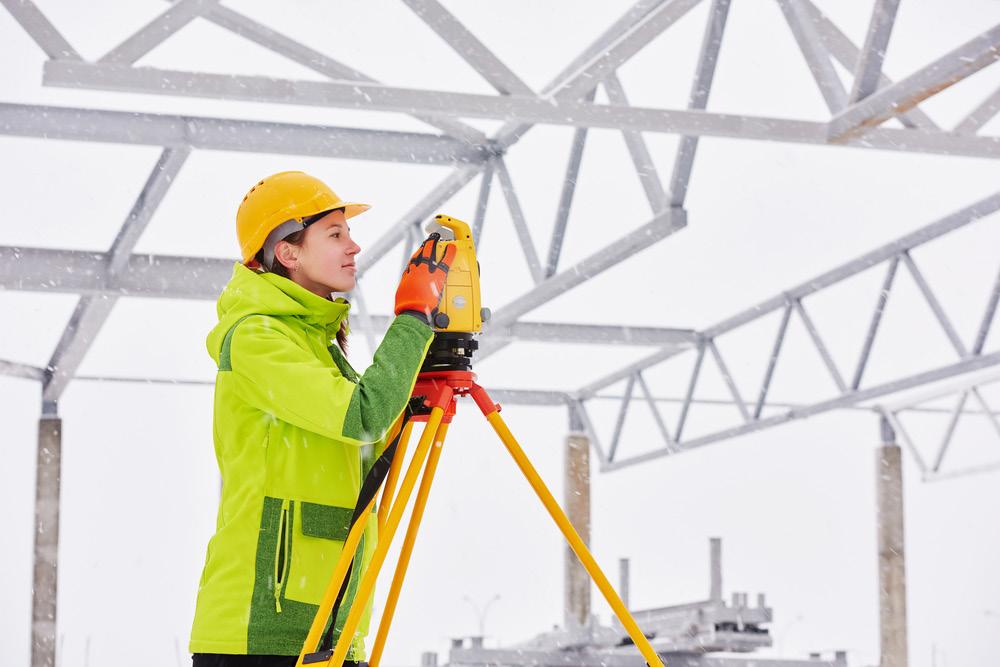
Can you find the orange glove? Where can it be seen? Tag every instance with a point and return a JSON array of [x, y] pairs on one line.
[[420, 288]]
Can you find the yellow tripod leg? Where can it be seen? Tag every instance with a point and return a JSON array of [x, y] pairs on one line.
[[342, 567], [498, 424], [330, 595], [408, 542], [393, 476], [367, 584]]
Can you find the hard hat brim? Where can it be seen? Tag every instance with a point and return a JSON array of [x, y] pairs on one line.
[[352, 209]]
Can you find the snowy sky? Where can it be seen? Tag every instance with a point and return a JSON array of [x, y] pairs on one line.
[[794, 505]]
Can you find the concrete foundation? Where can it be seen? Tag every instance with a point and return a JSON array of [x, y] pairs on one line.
[[891, 552], [43, 601], [576, 503]]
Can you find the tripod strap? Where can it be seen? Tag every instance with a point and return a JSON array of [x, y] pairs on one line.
[[369, 488]]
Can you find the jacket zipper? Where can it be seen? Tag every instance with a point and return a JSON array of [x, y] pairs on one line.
[[281, 555]]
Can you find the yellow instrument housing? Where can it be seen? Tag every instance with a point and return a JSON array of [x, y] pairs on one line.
[[461, 300]]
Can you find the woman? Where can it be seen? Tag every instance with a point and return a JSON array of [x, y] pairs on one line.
[[295, 425]]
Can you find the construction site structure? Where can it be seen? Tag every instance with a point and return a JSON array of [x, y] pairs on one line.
[[684, 635]]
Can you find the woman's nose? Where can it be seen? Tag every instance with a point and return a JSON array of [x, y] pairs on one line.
[[354, 250]]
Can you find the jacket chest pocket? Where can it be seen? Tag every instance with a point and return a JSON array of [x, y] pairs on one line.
[[317, 533]]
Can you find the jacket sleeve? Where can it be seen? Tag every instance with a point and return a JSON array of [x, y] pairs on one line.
[[278, 376]]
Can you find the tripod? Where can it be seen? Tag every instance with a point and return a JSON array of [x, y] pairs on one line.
[[439, 390]]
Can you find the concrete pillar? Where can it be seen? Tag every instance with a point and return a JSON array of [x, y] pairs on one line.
[[715, 563], [47, 476], [576, 502], [623, 581], [891, 554]]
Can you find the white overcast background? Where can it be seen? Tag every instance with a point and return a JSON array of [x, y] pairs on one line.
[[795, 505]]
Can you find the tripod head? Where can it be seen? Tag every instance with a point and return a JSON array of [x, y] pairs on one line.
[[460, 315]]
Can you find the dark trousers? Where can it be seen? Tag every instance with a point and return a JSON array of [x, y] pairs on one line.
[[220, 660]]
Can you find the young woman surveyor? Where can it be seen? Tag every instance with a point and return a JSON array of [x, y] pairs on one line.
[[296, 428]]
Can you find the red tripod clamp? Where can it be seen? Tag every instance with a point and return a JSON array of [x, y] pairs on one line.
[[441, 388]]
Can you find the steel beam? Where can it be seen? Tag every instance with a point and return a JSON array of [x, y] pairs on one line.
[[949, 432], [956, 220], [701, 86], [318, 62], [520, 224], [876, 319], [641, 158], [468, 46], [91, 312], [820, 346], [911, 402], [643, 22], [868, 70], [86, 273], [164, 276], [981, 115], [40, 29], [772, 361], [841, 401], [153, 192], [848, 396], [157, 31], [943, 73], [485, 183], [608, 334], [969, 214], [987, 322], [620, 421], [566, 196], [815, 55], [901, 431], [246, 136], [689, 396], [532, 397], [963, 472], [935, 305], [657, 417], [727, 377], [17, 369], [511, 132], [526, 110], [418, 214], [658, 228], [636, 37], [848, 55]]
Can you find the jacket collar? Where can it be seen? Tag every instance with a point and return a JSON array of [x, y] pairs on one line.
[[317, 310]]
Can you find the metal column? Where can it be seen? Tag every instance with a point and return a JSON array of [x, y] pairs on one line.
[[715, 560], [43, 602], [891, 554], [576, 466]]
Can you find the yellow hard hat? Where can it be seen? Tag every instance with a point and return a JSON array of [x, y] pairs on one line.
[[288, 196]]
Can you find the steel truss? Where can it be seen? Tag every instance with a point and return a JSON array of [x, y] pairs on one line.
[[858, 114], [790, 303]]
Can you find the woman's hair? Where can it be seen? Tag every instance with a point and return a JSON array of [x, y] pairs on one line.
[[296, 239]]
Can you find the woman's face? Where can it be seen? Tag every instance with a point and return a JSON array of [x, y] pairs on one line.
[[324, 262]]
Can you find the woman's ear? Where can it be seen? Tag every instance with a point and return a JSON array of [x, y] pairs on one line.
[[287, 254]]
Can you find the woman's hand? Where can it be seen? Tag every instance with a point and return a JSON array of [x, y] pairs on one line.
[[420, 288]]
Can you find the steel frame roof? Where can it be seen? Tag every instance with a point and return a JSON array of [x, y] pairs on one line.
[[858, 115]]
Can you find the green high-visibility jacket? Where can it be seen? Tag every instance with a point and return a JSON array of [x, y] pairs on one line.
[[295, 431]]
